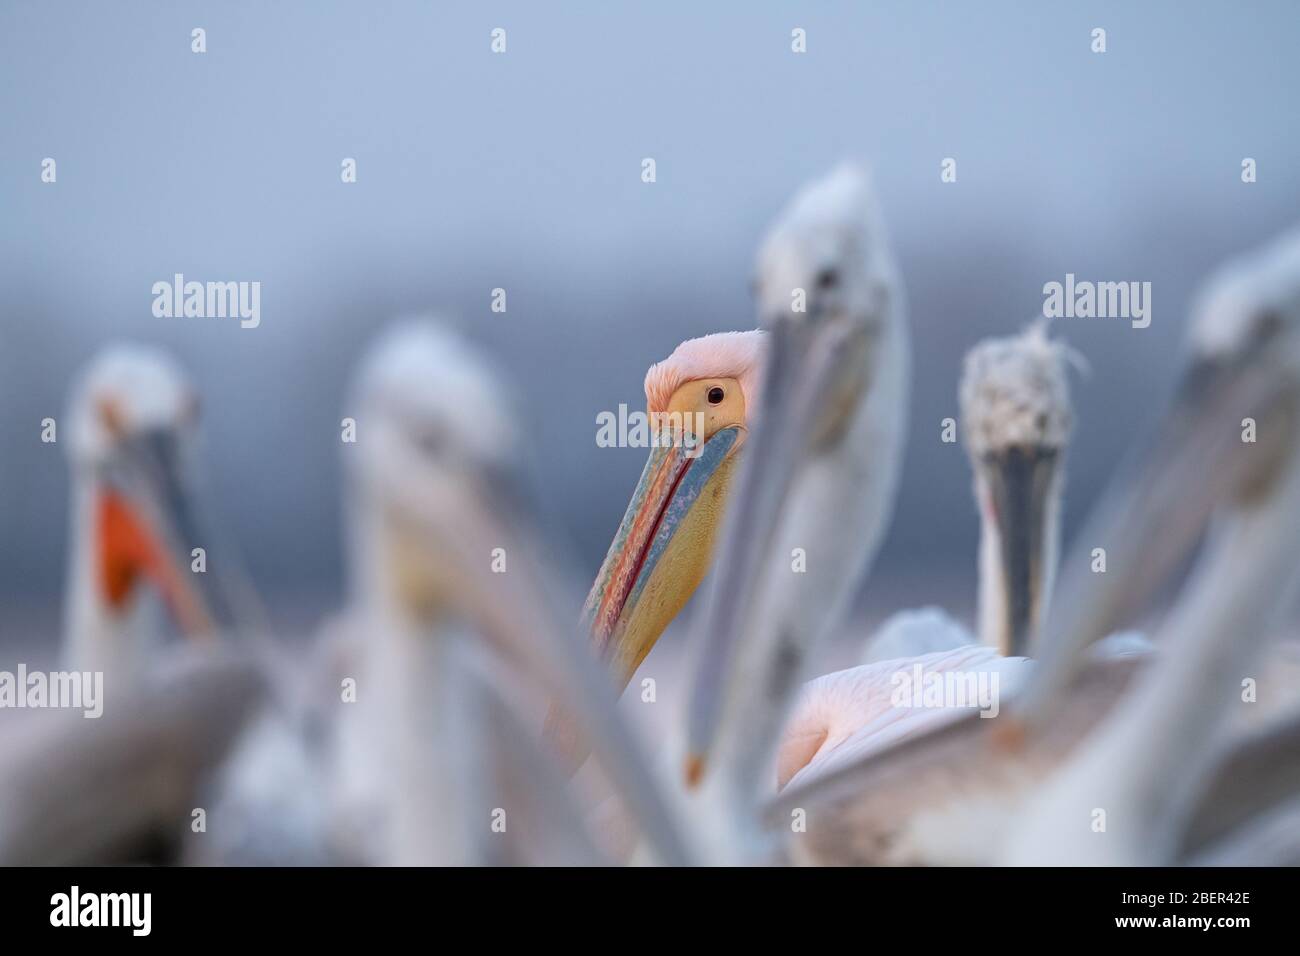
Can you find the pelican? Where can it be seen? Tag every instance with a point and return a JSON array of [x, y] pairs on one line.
[[958, 794], [1016, 420], [451, 627], [815, 490], [131, 420], [824, 395], [1145, 765], [122, 786], [664, 544]]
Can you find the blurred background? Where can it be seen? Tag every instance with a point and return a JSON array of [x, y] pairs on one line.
[[522, 171]]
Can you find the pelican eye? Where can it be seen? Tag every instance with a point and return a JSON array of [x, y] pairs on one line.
[[1268, 325], [827, 279], [428, 439], [716, 395]]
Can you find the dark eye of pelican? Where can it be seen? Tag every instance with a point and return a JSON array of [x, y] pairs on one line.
[[429, 440], [827, 279], [1267, 326], [716, 395]]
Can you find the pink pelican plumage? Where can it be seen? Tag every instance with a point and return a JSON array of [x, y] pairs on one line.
[[1016, 420], [815, 490], [820, 408], [1027, 785]]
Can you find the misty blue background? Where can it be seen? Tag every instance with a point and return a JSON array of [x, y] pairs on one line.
[[523, 171]]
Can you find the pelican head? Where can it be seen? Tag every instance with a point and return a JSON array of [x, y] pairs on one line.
[[447, 536], [1244, 340], [825, 256], [1230, 437], [132, 420], [1016, 421], [436, 452], [825, 284], [704, 392]]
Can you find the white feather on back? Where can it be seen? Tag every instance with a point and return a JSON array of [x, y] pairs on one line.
[[914, 632]]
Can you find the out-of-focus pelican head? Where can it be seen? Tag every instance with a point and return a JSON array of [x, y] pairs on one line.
[[829, 242], [446, 534], [664, 544], [435, 454], [1016, 421], [1241, 382], [1244, 343], [1249, 310], [132, 420], [824, 284]]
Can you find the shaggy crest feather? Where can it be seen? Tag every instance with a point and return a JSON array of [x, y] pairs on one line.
[[1015, 392]]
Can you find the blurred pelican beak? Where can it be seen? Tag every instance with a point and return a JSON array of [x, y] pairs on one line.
[[524, 620], [146, 529], [1150, 523], [812, 383], [1019, 483]]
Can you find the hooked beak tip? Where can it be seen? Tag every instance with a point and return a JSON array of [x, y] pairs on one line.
[[694, 770], [1009, 734]]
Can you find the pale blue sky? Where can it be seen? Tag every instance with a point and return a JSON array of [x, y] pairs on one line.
[[522, 171]]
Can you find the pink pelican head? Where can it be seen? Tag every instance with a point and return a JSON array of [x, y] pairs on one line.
[[704, 391]]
